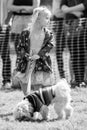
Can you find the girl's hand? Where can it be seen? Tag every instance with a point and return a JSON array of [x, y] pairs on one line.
[[35, 57]]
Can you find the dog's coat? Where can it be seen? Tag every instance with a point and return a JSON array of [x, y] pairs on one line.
[[38, 98]]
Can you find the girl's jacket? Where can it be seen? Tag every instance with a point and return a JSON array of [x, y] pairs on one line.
[[23, 52]]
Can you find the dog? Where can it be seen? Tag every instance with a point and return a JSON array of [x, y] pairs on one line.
[[38, 101]]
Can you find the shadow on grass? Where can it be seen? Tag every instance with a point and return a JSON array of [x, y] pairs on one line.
[[24, 119], [9, 90], [6, 115]]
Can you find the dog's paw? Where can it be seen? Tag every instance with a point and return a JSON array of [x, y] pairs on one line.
[[61, 116], [68, 112], [67, 117], [37, 116], [44, 112]]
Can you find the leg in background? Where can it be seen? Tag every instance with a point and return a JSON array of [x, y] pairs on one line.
[[59, 39], [5, 54], [78, 60]]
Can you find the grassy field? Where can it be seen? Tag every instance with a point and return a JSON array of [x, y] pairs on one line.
[[78, 121], [9, 98]]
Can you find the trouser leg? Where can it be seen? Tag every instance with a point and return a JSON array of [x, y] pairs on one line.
[[59, 39], [5, 54]]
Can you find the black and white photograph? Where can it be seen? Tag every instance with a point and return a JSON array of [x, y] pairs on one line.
[[43, 65]]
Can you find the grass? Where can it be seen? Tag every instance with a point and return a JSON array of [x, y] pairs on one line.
[[78, 121], [8, 100]]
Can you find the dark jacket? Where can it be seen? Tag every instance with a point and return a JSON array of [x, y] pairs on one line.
[[23, 50], [41, 97]]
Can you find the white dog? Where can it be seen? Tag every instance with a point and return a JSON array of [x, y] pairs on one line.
[[38, 101]]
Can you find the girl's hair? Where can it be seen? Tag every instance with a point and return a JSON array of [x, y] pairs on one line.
[[38, 11], [42, 10]]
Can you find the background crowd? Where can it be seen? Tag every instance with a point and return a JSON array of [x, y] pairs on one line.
[[68, 25]]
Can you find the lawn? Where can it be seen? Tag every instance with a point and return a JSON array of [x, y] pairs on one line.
[[78, 121], [9, 98]]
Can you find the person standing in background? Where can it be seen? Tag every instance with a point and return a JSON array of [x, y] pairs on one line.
[[76, 16], [22, 11], [5, 49], [58, 17], [5, 55]]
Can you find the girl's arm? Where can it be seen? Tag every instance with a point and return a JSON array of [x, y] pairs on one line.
[[23, 45], [22, 50], [48, 46]]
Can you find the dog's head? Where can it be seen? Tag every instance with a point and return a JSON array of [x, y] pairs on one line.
[[23, 110], [62, 88]]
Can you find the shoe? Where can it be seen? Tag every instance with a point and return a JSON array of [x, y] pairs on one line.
[[6, 86], [83, 84], [74, 84]]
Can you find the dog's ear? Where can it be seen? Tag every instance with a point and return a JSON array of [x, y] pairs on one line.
[[44, 111]]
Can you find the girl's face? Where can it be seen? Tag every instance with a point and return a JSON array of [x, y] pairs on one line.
[[44, 19]]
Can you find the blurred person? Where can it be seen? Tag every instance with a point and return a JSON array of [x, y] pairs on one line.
[[5, 55], [34, 46], [76, 19], [58, 18], [22, 11], [5, 48]]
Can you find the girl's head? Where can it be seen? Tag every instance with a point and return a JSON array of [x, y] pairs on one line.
[[23, 110], [42, 16]]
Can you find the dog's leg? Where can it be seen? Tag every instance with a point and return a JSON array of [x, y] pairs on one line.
[[68, 111], [59, 109], [44, 111]]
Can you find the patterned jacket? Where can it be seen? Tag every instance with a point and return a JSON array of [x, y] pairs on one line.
[[23, 51]]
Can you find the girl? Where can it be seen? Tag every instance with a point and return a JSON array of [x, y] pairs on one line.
[[33, 49]]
